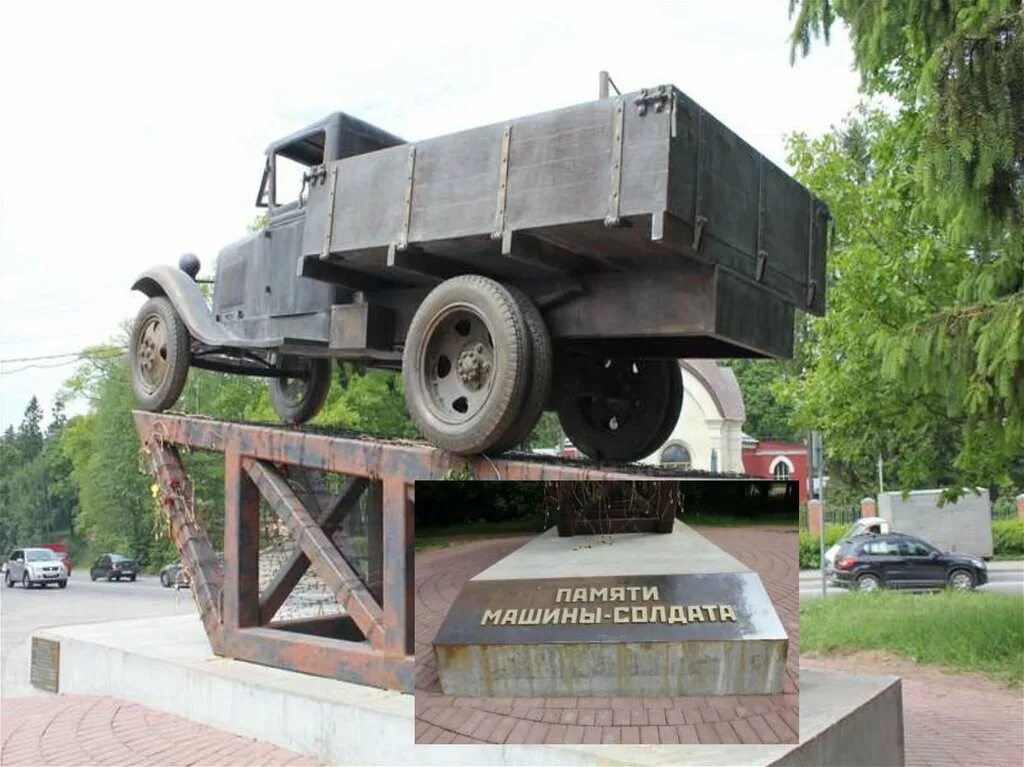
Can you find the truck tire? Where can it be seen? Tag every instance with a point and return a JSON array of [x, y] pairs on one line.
[[618, 408], [466, 364], [159, 354], [296, 400], [542, 359], [671, 415]]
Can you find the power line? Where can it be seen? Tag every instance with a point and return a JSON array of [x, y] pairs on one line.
[[99, 354], [76, 357]]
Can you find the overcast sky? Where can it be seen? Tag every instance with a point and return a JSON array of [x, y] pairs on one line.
[[131, 135]]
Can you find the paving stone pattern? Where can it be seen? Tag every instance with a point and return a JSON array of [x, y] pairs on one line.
[[92, 730], [948, 719], [440, 573]]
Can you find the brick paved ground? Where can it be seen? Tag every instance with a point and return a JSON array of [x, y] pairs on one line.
[[90, 730], [440, 573], [948, 718]]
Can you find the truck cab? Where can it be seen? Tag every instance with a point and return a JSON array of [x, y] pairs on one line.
[[258, 278]]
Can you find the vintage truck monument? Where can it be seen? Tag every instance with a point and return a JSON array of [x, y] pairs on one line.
[[558, 261]]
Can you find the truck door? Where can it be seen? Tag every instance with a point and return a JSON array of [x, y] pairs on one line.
[[287, 294]]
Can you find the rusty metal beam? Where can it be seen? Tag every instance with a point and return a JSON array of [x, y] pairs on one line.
[[366, 457], [352, 595], [291, 571], [398, 550], [375, 541], [241, 545], [197, 555], [322, 656]]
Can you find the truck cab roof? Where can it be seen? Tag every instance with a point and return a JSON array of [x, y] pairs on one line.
[[333, 137]]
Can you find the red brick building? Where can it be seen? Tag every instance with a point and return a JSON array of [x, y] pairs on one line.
[[778, 460]]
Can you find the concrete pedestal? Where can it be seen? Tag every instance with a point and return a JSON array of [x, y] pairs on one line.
[[166, 663], [636, 614]]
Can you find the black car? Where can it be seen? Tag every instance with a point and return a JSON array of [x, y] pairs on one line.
[[114, 567], [897, 561]]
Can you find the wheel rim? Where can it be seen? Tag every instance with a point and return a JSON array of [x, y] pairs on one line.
[[869, 583], [619, 400], [151, 353], [961, 581], [458, 364]]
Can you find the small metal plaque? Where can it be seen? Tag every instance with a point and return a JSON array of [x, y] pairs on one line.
[[45, 666], [645, 608]]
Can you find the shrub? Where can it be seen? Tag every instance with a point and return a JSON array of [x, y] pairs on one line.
[[1008, 537], [810, 546]]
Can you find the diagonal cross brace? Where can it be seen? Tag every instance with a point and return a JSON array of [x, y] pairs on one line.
[[197, 555], [289, 574], [349, 590], [312, 492]]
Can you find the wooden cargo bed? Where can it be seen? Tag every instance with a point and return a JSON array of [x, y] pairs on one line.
[[648, 181]]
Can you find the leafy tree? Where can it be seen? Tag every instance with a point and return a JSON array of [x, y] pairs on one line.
[[30, 432], [937, 299], [769, 414], [961, 64], [115, 505], [36, 493], [893, 268]]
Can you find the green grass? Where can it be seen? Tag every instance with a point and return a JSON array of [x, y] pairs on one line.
[[966, 631], [446, 535]]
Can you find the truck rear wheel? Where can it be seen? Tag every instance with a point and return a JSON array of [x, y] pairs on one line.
[[619, 408], [466, 364], [296, 400], [159, 353]]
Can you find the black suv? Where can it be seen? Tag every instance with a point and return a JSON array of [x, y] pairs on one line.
[[897, 561]]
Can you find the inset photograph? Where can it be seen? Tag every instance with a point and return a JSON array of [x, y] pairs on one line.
[[607, 612]]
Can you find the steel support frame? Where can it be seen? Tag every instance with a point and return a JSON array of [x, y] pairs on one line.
[[263, 461]]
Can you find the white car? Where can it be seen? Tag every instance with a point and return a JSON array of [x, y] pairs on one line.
[[35, 566], [863, 526]]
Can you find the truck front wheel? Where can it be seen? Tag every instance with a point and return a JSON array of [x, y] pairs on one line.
[[296, 400], [159, 354], [466, 365]]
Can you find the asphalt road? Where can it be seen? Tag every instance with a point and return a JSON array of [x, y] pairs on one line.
[[23, 611], [1003, 578]]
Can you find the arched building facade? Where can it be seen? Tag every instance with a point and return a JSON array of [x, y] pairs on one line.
[[709, 433]]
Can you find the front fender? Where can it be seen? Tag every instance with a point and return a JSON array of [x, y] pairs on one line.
[[188, 301]]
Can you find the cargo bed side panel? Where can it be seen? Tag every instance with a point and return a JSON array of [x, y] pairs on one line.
[[758, 222]]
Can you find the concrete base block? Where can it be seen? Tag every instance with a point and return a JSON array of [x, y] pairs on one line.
[[165, 663], [636, 614], [621, 669]]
